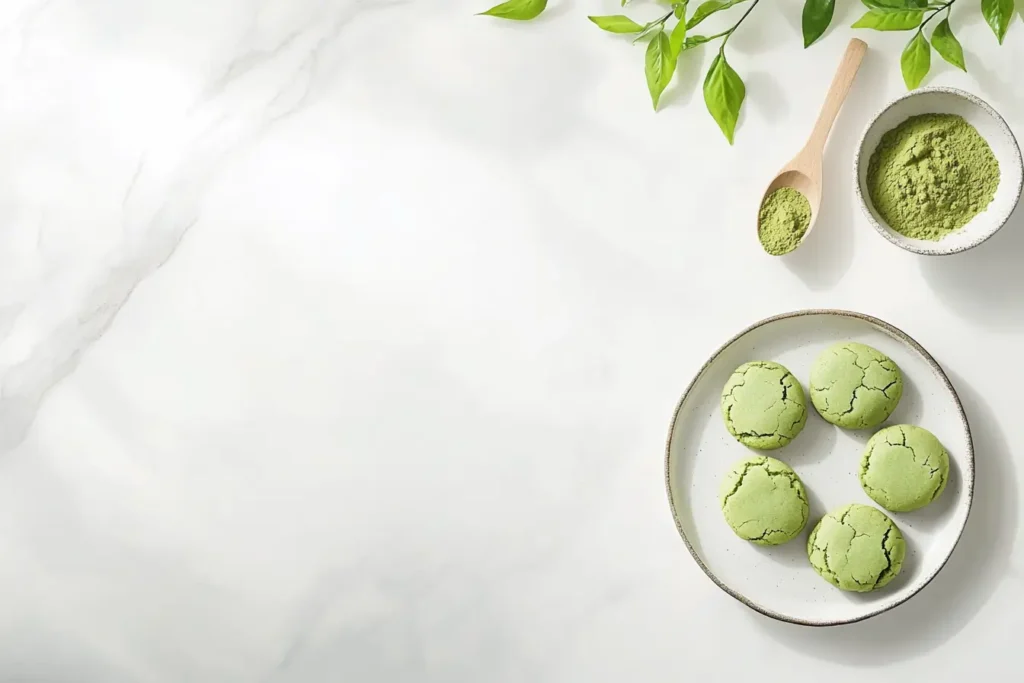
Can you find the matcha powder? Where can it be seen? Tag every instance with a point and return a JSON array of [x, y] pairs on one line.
[[931, 175], [783, 220]]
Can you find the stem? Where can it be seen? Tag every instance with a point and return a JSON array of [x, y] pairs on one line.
[[937, 9], [656, 24], [728, 34]]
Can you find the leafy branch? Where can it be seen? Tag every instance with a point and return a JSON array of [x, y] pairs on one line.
[[669, 36], [723, 88], [915, 15]]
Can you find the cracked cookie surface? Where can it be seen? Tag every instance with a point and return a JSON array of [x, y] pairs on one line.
[[763, 405], [855, 386], [856, 548], [764, 501], [904, 468]]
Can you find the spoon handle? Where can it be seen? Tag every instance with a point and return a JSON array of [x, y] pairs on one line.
[[837, 93]]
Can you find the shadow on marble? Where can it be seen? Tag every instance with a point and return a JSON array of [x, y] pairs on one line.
[[986, 284], [827, 253], [767, 95], [958, 592], [761, 34], [689, 78], [991, 86]]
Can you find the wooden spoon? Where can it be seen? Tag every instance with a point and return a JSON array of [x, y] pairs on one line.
[[803, 173]]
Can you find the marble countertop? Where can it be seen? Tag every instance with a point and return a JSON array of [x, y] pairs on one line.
[[339, 341]]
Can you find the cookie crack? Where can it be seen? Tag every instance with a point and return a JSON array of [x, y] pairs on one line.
[[768, 533], [887, 387], [832, 577], [790, 477], [885, 364], [739, 482], [939, 488], [888, 559], [729, 402]]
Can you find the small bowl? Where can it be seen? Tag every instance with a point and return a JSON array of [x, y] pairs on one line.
[[991, 126]]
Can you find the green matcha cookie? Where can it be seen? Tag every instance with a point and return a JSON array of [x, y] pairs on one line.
[[904, 468], [763, 405], [764, 501], [856, 548], [855, 386]]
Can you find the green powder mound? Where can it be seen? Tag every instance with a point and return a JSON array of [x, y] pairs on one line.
[[783, 220], [856, 548], [931, 175]]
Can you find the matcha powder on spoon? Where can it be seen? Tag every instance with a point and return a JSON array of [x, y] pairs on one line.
[[931, 175], [783, 220]]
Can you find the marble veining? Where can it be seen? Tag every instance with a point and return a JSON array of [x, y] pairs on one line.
[[339, 341]]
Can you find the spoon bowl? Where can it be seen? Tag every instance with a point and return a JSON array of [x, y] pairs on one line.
[[803, 172], [803, 182]]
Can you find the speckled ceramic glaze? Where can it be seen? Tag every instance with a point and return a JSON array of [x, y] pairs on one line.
[[779, 581], [991, 126]]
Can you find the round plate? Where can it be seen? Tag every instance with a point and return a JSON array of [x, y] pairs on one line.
[[779, 581]]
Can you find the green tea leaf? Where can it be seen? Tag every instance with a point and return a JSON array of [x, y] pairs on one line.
[[916, 60], [519, 10], [617, 24], [894, 5], [946, 44], [678, 38], [650, 29], [679, 9], [998, 14], [816, 18], [723, 94], [880, 20], [693, 41], [659, 66], [706, 9]]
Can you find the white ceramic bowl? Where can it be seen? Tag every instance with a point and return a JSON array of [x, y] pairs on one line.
[[991, 126]]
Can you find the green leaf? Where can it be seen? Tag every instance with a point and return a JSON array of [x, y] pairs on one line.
[[723, 94], [946, 44], [659, 66], [998, 14], [677, 38], [893, 5], [693, 41], [890, 21], [679, 9], [617, 24], [916, 60], [816, 18], [519, 10], [650, 29], [706, 9]]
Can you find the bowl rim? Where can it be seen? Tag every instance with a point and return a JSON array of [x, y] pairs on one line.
[[887, 232], [970, 465]]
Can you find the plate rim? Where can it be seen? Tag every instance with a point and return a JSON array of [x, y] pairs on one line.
[[969, 464]]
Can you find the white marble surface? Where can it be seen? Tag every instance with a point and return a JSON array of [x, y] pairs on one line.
[[339, 338]]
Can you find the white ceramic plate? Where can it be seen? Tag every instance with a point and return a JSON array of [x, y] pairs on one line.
[[992, 127], [779, 581]]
